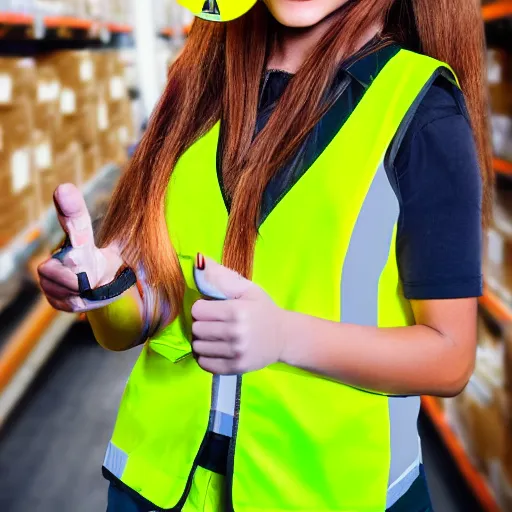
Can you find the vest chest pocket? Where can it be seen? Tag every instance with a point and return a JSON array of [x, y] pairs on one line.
[[191, 294], [175, 341]]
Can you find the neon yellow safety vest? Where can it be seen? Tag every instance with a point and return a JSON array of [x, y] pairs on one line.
[[300, 442]]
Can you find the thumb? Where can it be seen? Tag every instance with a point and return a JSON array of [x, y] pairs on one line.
[[73, 215], [218, 282]]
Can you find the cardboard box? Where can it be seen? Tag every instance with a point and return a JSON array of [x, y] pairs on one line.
[[16, 125], [16, 173], [47, 183], [47, 114], [18, 215], [18, 78], [482, 408], [43, 158], [499, 74], [65, 137], [67, 167], [105, 64], [498, 252], [122, 116], [507, 393], [69, 164], [75, 68], [112, 151], [16, 165], [507, 455], [77, 76], [92, 161], [508, 366], [103, 116], [110, 73], [499, 77], [17, 177], [83, 124], [73, 100]]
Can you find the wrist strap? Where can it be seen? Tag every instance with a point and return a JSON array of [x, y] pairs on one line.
[[123, 281]]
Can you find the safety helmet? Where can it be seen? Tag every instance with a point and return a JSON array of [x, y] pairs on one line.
[[218, 10]]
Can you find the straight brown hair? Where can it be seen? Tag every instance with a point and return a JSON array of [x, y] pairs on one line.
[[218, 76]]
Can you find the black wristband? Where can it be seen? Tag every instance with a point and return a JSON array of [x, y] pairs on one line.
[[123, 282]]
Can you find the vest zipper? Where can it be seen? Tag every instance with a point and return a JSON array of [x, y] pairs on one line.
[[232, 445], [230, 466]]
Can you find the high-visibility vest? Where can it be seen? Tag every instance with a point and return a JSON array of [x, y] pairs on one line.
[[327, 249]]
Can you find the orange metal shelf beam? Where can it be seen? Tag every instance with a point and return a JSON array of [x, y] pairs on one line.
[[495, 307], [502, 166], [167, 31], [170, 32], [24, 340], [68, 22], [61, 21], [120, 28], [473, 477], [13, 18], [497, 10]]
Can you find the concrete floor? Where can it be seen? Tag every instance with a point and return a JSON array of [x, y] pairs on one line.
[[51, 450]]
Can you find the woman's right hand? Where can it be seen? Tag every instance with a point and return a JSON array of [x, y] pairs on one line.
[[59, 280]]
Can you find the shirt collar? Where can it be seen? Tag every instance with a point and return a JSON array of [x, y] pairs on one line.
[[366, 68], [362, 69]]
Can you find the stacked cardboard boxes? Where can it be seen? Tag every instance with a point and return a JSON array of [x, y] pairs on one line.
[[505, 470], [481, 415], [17, 205], [87, 139], [114, 113], [499, 76], [75, 120], [498, 252], [62, 117], [48, 126]]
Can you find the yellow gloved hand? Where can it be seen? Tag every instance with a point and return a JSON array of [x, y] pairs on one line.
[[218, 10]]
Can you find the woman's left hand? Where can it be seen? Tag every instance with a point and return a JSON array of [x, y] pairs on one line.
[[240, 334]]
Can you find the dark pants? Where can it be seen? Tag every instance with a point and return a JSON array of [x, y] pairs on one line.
[[121, 501], [416, 499]]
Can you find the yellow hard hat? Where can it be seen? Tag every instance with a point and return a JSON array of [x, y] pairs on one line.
[[218, 10]]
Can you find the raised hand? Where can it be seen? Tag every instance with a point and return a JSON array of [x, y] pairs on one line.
[[58, 277]]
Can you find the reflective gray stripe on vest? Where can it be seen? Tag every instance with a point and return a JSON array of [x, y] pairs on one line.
[[115, 460], [223, 404], [365, 260]]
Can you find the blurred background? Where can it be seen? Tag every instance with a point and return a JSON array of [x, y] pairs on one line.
[[78, 79]]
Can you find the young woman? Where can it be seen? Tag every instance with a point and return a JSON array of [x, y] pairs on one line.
[[324, 153]]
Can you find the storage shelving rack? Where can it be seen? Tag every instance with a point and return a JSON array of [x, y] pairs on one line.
[[30, 330]]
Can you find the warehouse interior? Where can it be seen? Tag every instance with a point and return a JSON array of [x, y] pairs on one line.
[[78, 80]]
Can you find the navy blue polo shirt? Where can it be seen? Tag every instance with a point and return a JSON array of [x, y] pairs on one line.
[[436, 171]]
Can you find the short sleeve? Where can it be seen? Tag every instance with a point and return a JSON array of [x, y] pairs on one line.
[[439, 238]]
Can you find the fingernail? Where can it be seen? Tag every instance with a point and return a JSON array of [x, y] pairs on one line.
[[200, 262]]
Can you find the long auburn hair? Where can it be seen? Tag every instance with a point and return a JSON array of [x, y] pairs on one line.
[[218, 76]]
